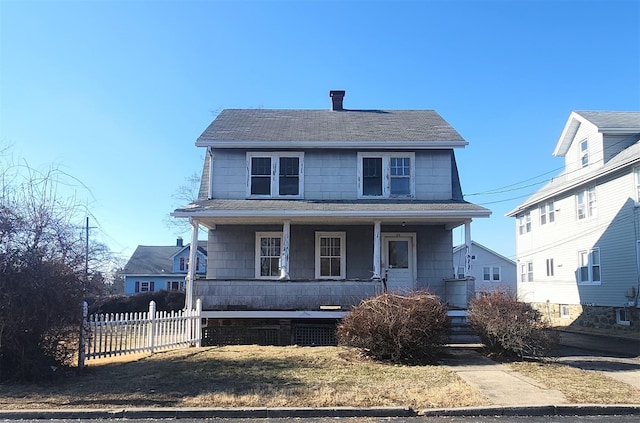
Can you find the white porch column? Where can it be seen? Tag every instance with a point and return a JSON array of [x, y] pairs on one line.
[[377, 237], [467, 242], [192, 269], [284, 255]]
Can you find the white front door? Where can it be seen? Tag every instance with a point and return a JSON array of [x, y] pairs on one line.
[[398, 261]]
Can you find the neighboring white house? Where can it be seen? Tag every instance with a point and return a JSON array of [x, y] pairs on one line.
[[578, 237], [310, 211], [491, 271]]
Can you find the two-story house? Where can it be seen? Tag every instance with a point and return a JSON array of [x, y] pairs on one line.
[[154, 268], [310, 211], [490, 270], [578, 237]]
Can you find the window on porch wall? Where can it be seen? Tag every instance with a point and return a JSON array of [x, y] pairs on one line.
[[330, 255], [268, 252]]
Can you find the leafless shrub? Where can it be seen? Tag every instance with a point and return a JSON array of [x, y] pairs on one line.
[[510, 328], [400, 328]]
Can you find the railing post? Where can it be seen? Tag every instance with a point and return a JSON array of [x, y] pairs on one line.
[[198, 333], [83, 335], [152, 326]]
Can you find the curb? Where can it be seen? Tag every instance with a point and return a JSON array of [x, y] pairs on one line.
[[329, 412], [206, 413]]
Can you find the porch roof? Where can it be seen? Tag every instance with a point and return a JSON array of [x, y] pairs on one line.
[[315, 211]]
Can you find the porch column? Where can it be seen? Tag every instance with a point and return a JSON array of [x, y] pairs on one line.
[[284, 255], [377, 236], [467, 243], [192, 268]]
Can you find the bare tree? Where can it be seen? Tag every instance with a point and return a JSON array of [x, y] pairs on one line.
[[43, 273]]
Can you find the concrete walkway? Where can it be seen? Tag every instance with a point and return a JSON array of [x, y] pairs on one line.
[[497, 382]]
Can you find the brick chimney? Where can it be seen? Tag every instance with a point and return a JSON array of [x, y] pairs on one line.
[[336, 99], [179, 242]]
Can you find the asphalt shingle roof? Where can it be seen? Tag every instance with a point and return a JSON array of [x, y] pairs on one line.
[[154, 259], [612, 119], [327, 125]]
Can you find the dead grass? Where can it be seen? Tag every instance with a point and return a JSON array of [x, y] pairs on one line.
[[579, 386], [254, 376], [248, 376]]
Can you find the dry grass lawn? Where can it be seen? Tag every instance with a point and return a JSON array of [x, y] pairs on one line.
[[254, 376], [249, 376]]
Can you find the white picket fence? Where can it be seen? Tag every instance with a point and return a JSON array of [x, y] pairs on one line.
[[106, 335]]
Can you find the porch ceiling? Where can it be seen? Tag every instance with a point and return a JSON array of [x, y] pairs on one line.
[[450, 214]]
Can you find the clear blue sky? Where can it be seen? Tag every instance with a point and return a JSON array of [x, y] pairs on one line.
[[116, 92]]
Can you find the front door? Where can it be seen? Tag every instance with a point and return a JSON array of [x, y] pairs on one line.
[[399, 262]]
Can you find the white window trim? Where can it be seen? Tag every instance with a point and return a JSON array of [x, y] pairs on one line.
[[582, 154], [619, 320], [550, 267], [275, 173], [343, 254], [565, 312], [549, 213], [524, 271], [524, 223], [636, 183], [589, 211], [491, 268], [589, 267], [386, 174], [260, 235]]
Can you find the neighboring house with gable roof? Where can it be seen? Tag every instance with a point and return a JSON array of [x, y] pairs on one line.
[[578, 237], [310, 211], [490, 270], [155, 268]]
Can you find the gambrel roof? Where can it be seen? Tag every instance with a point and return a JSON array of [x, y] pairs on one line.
[[254, 128]]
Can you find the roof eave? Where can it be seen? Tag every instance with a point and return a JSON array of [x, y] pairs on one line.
[[336, 144], [239, 214]]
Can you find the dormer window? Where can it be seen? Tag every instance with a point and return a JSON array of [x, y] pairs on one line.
[[275, 175], [386, 175], [584, 153]]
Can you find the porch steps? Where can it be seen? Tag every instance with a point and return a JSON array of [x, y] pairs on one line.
[[459, 330]]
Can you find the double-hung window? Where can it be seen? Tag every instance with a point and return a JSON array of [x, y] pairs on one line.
[[386, 175], [491, 273], [589, 266], [526, 272], [524, 223], [584, 153], [268, 253], [330, 255], [547, 213], [586, 203], [275, 175], [549, 267]]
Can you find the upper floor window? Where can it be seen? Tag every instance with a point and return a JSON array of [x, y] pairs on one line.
[[524, 223], [175, 285], [547, 213], [491, 273], [584, 153], [586, 203], [589, 266], [275, 175], [330, 255], [268, 252], [386, 175]]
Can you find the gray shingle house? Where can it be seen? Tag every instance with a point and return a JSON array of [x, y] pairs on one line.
[[310, 211]]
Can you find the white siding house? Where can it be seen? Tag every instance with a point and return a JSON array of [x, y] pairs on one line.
[[490, 270], [310, 211], [577, 238]]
